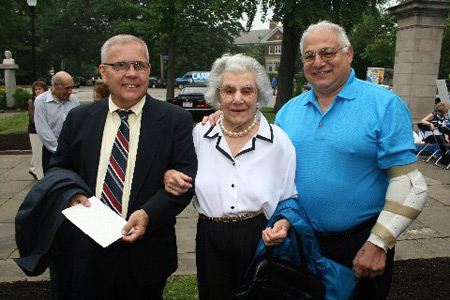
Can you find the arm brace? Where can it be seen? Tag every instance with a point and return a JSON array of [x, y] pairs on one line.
[[405, 198]]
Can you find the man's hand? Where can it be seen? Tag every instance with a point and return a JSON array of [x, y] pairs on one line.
[[370, 261], [212, 118], [79, 198], [276, 235], [176, 183], [135, 228]]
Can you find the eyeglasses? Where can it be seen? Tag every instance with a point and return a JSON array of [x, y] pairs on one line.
[[123, 66], [325, 54], [228, 91]]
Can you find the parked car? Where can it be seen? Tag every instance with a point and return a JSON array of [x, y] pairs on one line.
[[93, 79], [192, 98], [156, 82], [80, 79], [76, 82]]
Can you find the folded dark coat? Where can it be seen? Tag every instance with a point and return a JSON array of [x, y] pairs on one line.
[[39, 217]]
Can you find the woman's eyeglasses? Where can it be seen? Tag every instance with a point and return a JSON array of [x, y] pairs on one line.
[[325, 54], [228, 91], [123, 66]]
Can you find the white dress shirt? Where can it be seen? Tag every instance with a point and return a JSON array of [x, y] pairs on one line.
[[49, 116], [261, 175]]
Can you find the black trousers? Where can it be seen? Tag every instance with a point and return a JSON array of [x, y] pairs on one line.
[[83, 270], [224, 251], [342, 248], [46, 156], [114, 277]]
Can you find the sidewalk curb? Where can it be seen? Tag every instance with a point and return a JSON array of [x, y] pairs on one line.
[[15, 152]]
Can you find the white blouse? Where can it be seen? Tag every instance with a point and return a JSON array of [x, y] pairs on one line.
[[261, 175]]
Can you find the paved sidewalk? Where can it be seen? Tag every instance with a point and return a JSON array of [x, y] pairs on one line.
[[427, 237]]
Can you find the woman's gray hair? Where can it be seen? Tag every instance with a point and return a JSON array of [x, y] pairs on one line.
[[340, 32], [120, 39], [236, 63]]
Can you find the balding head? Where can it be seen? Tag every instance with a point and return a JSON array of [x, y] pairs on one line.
[[62, 85], [61, 78]]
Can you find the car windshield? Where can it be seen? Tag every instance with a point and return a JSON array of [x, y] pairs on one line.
[[193, 90]]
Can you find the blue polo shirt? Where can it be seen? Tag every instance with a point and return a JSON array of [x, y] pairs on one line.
[[341, 154]]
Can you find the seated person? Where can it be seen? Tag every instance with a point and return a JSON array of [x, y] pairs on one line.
[[437, 123]]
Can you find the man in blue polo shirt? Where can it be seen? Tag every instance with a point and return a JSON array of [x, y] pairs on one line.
[[356, 173]]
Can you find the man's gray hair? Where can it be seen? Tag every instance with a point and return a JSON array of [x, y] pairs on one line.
[[120, 39], [236, 63], [340, 32]]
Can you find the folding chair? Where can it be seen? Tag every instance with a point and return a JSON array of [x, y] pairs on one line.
[[429, 144], [444, 131]]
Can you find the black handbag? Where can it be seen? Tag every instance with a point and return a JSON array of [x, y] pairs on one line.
[[275, 278]]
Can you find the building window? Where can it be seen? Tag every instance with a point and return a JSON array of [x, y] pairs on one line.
[[270, 49], [269, 67], [277, 49]]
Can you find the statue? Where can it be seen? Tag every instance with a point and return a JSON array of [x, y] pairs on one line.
[[8, 60], [10, 68]]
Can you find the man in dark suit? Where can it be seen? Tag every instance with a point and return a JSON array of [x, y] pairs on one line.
[[159, 137]]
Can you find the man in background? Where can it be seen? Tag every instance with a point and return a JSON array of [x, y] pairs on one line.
[[50, 111]]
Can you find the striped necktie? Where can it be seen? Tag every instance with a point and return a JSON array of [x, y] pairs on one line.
[[117, 167]]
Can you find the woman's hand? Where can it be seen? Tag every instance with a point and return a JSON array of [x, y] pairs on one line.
[[176, 183], [276, 235], [431, 126]]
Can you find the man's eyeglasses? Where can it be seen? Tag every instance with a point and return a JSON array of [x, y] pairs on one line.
[[325, 54], [228, 91], [123, 66]]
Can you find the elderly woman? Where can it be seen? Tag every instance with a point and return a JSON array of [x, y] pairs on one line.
[[246, 166], [36, 171], [436, 123]]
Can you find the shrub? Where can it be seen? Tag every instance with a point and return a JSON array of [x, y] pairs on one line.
[[21, 96], [300, 80], [2, 98]]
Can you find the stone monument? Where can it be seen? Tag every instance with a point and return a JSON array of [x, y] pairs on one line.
[[10, 68], [418, 52]]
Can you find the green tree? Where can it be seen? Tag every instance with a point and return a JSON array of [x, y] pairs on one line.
[[444, 68], [15, 35], [296, 15], [373, 40], [255, 51], [192, 33]]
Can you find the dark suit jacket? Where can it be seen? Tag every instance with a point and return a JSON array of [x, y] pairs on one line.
[[165, 142], [39, 218]]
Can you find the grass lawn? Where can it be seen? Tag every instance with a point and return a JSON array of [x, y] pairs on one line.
[[18, 123], [181, 287]]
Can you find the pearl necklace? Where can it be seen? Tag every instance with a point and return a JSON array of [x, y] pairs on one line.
[[236, 134]]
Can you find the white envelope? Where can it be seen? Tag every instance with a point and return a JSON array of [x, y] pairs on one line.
[[98, 221]]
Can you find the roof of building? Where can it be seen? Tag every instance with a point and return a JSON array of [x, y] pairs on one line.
[[251, 37]]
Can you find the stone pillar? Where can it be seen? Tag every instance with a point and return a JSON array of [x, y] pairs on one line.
[[10, 83], [418, 52]]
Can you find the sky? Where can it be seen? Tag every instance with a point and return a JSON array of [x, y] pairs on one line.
[[257, 24]]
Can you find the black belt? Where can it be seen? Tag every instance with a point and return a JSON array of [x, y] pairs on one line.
[[347, 233]]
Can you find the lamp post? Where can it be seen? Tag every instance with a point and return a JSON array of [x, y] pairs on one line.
[[32, 5]]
